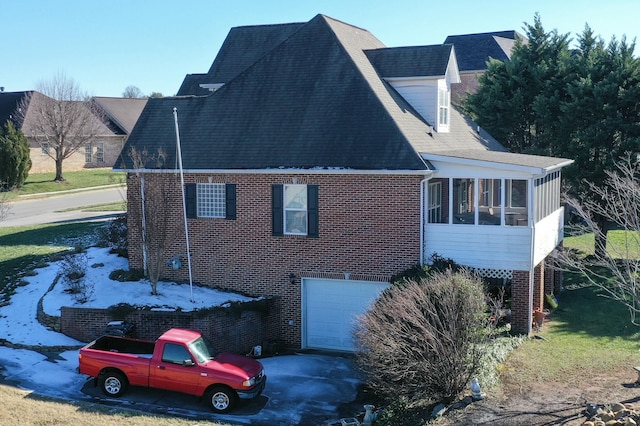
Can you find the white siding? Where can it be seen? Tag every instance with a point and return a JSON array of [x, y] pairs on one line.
[[481, 246], [422, 95], [495, 247], [549, 233]]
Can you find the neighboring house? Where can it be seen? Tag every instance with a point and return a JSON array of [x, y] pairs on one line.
[[323, 163], [474, 51], [115, 120]]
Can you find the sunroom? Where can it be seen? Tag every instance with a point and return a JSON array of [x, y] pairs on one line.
[[493, 211]]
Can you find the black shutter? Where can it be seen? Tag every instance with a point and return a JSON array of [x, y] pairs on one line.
[[312, 211], [277, 211], [230, 201], [191, 200]]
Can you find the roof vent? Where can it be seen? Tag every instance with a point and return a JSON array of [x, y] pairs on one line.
[[1, 88]]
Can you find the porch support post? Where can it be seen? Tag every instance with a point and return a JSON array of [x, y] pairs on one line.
[[521, 302], [538, 286]]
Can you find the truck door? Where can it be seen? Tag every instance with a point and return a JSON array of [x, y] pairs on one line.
[[171, 373]]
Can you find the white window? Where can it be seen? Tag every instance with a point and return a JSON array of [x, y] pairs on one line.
[[45, 148], [88, 153], [435, 202], [443, 108], [211, 200], [295, 209], [100, 152]]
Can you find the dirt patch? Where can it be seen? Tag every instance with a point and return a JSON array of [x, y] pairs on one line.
[[547, 403]]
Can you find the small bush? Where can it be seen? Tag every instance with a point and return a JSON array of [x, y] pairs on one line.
[[73, 275], [436, 263], [115, 236], [422, 340], [124, 275]]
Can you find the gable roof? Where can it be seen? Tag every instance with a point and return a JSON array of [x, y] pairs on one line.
[[422, 61], [314, 101], [123, 112], [474, 50]]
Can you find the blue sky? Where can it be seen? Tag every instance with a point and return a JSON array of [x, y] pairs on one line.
[[106, 46]]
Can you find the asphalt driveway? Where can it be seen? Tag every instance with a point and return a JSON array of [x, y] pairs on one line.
[[302, 389]]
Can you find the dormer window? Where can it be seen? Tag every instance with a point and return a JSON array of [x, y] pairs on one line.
[[443, 109]]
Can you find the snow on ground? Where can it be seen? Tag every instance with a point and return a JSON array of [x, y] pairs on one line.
[[106, 292], [296, 384], [19, 323]]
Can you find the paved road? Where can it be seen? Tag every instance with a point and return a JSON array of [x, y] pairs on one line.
[[37, 211]]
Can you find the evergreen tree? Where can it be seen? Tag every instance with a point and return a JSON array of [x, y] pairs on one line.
[[580, 104], [15, 162]]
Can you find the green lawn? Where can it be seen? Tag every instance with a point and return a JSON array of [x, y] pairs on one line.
[[43, 182], [587, 332], [618, 241], [25, 247]]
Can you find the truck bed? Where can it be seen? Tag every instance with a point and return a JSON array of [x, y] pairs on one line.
[[123, 345]]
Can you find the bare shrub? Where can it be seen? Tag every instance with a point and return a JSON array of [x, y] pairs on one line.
[[422, 340], [73, 275]]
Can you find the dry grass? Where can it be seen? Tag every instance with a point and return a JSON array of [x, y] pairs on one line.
[[23, 408]]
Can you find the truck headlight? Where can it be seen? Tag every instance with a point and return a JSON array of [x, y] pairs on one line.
[[249, 383]]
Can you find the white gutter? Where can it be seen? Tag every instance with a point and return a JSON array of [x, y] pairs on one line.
[[290, 171]]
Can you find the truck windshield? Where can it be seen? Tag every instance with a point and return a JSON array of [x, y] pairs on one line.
[[200, 350]]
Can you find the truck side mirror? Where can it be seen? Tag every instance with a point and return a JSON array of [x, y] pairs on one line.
[[188, 363]]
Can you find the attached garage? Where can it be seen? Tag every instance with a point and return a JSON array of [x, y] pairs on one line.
[[330, 308]]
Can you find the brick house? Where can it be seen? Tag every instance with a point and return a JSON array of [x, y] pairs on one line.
[[114, 120], [318, 163]]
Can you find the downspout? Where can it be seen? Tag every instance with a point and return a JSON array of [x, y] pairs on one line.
[[144, 225], [532, 225]]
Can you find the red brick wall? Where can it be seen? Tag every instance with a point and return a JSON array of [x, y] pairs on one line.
[[232, 331], [369, 226], [521, 302], [538, 286]]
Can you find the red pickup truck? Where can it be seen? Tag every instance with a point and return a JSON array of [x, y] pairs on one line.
[[178, 361]]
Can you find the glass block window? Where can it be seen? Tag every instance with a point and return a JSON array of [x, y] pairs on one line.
[[211, 200]]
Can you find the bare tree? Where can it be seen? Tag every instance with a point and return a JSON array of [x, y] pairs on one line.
[[614, 268], [62, 121], [132, 92], [156, 196]]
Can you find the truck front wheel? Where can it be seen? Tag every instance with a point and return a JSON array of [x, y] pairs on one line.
[[112, 383], [221, 399]]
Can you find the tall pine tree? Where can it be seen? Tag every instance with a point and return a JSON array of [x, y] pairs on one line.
[[581, 103]]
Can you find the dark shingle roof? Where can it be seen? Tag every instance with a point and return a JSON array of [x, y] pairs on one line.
[[9, 102], [314, 101], [191, 85], [474, 50], [242, 47], [411, 61]]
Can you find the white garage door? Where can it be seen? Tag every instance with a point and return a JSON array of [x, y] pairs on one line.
[[329, 310]]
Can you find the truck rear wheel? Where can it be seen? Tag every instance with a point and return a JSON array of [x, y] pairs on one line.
[[112, 383], [221, 399]]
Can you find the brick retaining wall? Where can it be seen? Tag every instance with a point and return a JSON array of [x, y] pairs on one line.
[[231, 330]]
